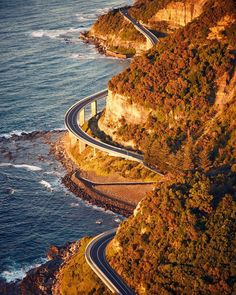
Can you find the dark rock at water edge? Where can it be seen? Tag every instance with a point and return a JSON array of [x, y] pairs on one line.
[[40, 280]]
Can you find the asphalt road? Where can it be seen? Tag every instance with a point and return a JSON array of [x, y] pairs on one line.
[[71, 122], [95, 257], [148, 34], [95, 251]]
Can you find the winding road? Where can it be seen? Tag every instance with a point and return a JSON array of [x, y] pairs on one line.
[[95, 257], [95, 251], [147, 33], [71, 122]]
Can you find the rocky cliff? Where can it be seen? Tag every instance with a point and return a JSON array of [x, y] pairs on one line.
[[115, 34], [118, 44], [120, 109], [179, 13], [157, 102]]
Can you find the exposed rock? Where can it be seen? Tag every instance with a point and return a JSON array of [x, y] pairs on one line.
[[118, 107], [110, 40], [226, 89], [40, 280], [178, 14], [216, 31]]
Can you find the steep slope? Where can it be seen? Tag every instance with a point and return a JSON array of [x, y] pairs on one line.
[[114, 33], [181, 238], [169, 96]]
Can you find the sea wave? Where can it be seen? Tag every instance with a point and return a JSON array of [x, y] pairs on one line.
[[53, 34], [46, 184], [12, 133], [73, 205], [16, 272], [89, 56], [86, 17], [22, 132], [21, 166], [99, 208]]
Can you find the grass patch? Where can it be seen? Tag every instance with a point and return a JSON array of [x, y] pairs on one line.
[[104, 165], [76, 277], [129, 52]]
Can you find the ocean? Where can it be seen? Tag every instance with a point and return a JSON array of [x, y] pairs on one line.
[[44, 69]]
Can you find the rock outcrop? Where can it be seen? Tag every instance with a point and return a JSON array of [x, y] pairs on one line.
[[108, 41], [41, 279], [178, 14], [119, 108]]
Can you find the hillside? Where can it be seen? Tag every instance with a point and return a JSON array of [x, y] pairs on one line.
[[170, 98], [163, 17], [177, 104]]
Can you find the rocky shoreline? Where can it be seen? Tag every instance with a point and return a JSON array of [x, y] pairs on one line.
[[82, 190], [40, 280], [100, 46]]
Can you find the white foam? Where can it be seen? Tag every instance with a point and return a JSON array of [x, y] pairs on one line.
[[46, 184], [12, 133], [20, 132], [53, 34], [55, 173], [99, 208], [74, 205], [15, 273], [85, 17], [89, 56], [12, 191], [21, 166]]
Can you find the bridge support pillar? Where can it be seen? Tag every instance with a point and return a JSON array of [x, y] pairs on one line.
[[82, 117], [82, 146], [94, 108]]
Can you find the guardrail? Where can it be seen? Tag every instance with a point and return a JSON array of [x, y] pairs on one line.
[[94, 267]]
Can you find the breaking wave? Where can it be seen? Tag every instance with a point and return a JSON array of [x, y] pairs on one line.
[[89, 56], [21, 166], [53, 34], [20, 132], [16, 272], [46, 184]]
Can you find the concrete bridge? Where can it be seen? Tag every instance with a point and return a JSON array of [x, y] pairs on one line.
[[74, 120]]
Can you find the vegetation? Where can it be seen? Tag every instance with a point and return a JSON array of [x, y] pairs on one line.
[[181, 239], [113, 23], [178, 80], [76, 277], [105, 165], [129, 52]]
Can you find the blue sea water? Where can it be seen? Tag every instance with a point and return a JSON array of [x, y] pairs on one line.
[[44, 69]]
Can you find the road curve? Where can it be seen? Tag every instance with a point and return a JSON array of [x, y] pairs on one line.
[[72, 125], [147, 33], [95, 257], [95, 250]]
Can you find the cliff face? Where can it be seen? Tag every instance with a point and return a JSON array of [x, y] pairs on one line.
[[119, 108], [178, 14]]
